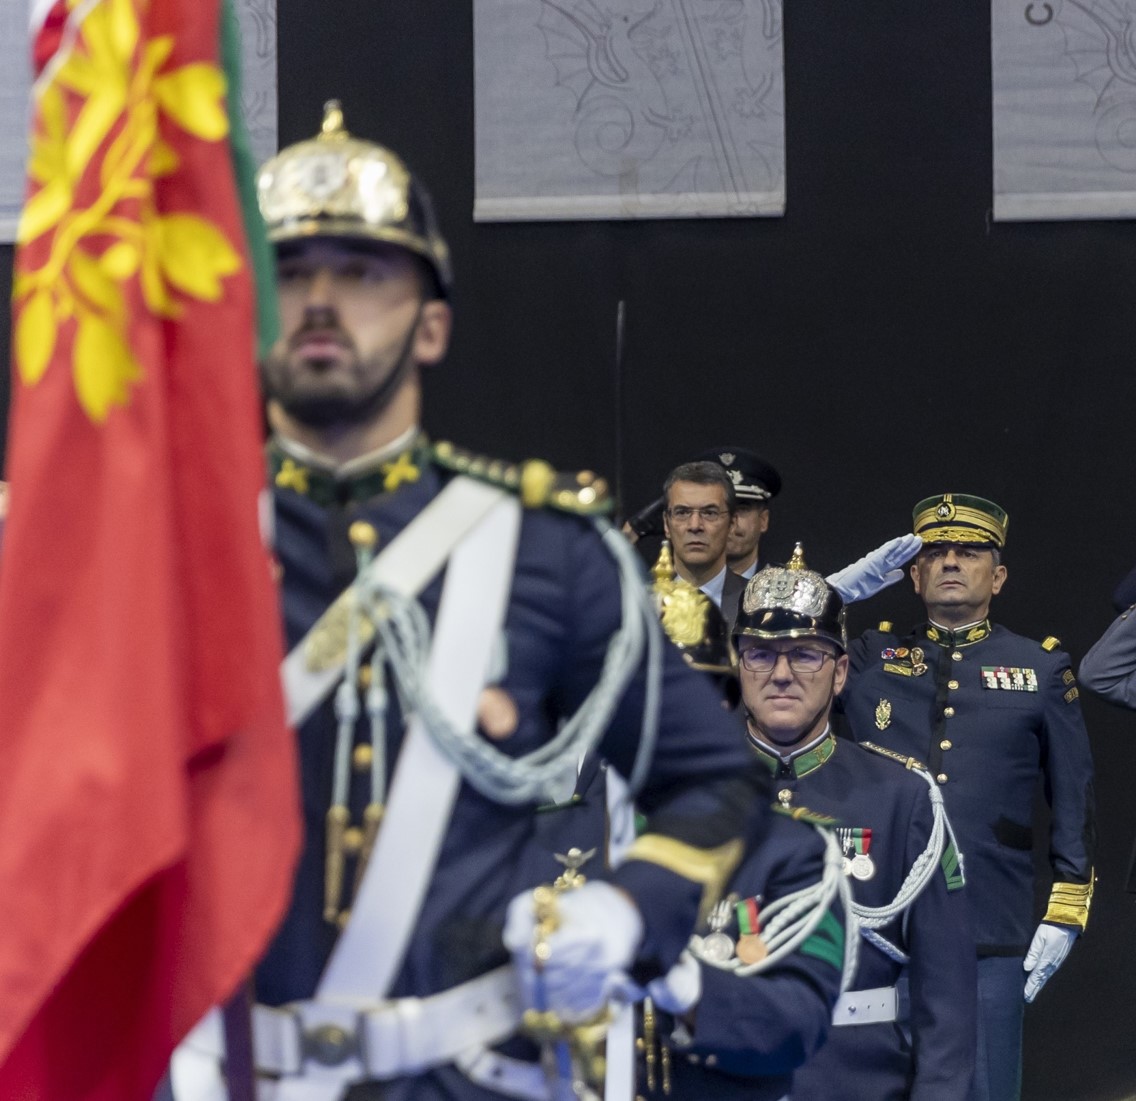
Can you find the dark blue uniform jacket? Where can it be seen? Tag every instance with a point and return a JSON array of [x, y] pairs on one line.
[[563, 606], [750, 1033], [988, 716], [879, 1062]]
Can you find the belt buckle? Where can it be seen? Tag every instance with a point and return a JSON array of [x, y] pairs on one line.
[[331, 1045]]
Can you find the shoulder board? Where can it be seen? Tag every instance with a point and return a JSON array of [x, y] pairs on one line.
[[886, 626], [899, 758], [803, 814], [1050, 644], [539, 485]]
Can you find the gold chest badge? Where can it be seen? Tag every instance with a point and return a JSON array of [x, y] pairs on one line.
[[883, 714]]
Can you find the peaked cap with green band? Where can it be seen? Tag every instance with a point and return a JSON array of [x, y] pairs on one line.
[[960, 518]]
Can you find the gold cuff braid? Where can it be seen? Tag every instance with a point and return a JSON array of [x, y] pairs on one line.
[[710, 867], [1069, 903]]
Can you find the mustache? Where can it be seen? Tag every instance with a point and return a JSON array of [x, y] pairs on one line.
[[323, 326]]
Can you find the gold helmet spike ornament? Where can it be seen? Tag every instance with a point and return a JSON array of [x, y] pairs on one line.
[[337, 185]]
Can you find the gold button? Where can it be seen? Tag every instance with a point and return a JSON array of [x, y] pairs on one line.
[[784, 797], [948, 712], [711, 1060], [946, 743], [942, 777], [365, 677], [362, 534], [952, 685], [956, 656], [352, 840], [361, 757]]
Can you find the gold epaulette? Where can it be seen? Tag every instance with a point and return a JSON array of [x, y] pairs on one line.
[[899, 758], [1069, 903], [803, 814], [1049, 644], [539, 485]]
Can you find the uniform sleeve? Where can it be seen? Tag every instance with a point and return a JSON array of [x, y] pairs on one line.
[[1124, 595], [705, 797], [771, 1023], [1109, 668], [943, 976], [1067, 765]]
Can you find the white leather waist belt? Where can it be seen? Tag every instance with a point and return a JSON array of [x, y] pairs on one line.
[[403, 1036], [504, 1075], [866, 1007]]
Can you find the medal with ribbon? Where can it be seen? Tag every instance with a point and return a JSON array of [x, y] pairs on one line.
[[863, 867], [751, 948]]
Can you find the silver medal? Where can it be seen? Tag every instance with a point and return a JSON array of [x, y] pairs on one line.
[[718, 947], [863, 866]]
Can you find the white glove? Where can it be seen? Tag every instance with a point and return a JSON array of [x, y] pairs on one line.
[[1047, 951], [598, 938], [680, 988], [875, 571]]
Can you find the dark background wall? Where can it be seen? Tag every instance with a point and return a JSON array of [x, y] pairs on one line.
[[881, 342]]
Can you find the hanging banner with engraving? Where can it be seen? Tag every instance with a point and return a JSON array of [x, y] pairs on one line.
[[15, 103], [628, 109], [258, 33], [1064, 82]]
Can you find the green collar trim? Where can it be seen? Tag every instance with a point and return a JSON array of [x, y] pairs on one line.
[[326, 488], [968, 636], [799, 766]]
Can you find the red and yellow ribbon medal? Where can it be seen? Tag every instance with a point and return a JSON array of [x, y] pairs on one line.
[[751, 948], [863, 867]]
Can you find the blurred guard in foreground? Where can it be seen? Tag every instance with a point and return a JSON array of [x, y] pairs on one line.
[[434, 713]]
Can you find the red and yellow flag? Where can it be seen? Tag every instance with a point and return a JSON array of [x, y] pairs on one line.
[[148, 802]]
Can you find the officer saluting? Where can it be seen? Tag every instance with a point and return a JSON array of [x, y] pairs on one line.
[[419, 782], [898, 851], [988, 710]]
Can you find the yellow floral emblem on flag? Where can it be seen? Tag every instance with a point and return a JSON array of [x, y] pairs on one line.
[[92, 214]]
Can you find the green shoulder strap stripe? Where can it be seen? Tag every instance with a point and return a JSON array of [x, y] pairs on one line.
[[952, 868], [827, 942]]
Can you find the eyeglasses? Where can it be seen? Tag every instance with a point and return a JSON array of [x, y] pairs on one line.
[[802, 659], [683, 514]]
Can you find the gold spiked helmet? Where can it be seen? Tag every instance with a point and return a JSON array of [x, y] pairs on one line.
[[337, 185]]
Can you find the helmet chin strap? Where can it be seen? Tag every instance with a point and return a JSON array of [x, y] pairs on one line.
[[381, 397]]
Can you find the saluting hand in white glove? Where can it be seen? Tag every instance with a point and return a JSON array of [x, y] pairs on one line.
[[875, 571]]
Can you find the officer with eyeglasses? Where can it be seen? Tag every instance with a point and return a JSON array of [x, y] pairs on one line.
[[699, 503], [898, 852]]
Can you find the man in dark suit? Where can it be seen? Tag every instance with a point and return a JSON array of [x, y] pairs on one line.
[[756, 483], [699, 506]]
